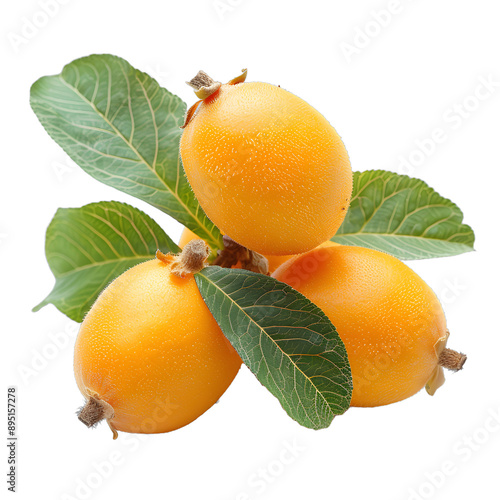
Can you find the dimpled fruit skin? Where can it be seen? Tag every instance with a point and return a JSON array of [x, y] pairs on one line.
[[151, 349], [267, 168], [387, 316]]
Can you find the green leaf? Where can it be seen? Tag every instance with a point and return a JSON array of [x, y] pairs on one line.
[[404, 217], [286, 341], [90, 246], [122, 128]]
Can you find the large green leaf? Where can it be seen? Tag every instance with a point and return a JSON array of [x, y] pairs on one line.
[[403, 216], [122, 128], [88, 247], [285, 340]]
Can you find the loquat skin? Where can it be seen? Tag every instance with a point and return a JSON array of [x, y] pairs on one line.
[[389, 319], [151, 349], [267, 168]]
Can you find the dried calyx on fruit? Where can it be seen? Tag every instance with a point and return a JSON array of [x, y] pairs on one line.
[[204, 86], [191, 260]]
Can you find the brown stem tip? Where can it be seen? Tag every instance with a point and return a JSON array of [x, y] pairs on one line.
[[452, 360], [203, 85], [191, 260], [94, 411]]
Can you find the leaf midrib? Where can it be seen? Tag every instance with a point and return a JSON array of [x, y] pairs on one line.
[[272, 340], [142, 159]]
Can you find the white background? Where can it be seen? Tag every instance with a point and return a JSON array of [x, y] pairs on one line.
[[398, 88]]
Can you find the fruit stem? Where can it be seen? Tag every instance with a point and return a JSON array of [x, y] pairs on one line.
[[191, 260], [452, 360], [94, 411], [234, 252], [203, 85]]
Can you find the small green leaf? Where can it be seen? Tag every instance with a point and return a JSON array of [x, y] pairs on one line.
[[286, 341], [404, 217], [122, 128], [90, 246]]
